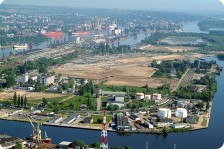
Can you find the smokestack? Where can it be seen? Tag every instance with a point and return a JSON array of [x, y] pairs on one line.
[[1, 1]]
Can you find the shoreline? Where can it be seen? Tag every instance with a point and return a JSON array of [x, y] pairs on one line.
[[159, 132]]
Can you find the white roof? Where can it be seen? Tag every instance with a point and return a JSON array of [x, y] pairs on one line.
[[222, 147], [65, 143]]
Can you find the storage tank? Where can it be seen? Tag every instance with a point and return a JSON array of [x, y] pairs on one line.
[[181, 113], [164, 113]]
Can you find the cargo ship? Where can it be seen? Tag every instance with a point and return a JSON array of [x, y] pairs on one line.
[[80, 33]]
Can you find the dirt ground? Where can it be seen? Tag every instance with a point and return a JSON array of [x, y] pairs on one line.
[[30, 95], [127, 72], [168, 49]]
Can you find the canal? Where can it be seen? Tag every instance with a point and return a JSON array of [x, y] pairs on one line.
[[210, 138]]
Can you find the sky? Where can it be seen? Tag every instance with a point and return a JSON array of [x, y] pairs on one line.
[[163, 5]]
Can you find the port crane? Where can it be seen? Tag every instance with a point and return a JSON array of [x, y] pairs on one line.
[[37, 134]]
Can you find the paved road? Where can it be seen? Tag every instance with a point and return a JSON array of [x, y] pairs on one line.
[[178, 84], [65, 99], [98, 103]]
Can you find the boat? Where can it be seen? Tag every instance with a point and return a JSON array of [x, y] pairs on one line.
[[21, 46], [80, 33], [47, 140]]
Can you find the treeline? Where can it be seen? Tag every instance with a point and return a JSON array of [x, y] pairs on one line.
[[207, 25], [207, 95], [213, 41], [202, 66], [165, 67], [19, 101]]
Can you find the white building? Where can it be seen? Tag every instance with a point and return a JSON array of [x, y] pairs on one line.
[[46, 79], [181, 113], [156, 97], [25, 78], [148, 97], [139, 96], [164, 113]]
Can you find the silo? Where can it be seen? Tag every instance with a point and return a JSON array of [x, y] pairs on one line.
[[181, 113], [164, 113]]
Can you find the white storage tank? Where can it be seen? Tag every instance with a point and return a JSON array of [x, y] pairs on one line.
[[164, 113], [181, 113]]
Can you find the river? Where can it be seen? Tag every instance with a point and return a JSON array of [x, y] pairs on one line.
[[210, 138]]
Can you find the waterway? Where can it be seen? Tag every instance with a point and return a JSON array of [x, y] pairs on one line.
[[210, 138]]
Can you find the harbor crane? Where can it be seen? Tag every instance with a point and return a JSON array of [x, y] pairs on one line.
[[37, 134]]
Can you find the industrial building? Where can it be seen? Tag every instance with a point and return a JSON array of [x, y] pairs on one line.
[[180, 125], [70, 119], [46, 79], [181, 113], [164, 113], [139, 96], [122, 122], [55, 119], [119, 101]]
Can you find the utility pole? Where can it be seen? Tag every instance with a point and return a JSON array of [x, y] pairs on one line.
[[174, 146]]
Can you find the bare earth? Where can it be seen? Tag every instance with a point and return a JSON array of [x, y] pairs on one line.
[[127, 72], [30, 95], [167, 48]]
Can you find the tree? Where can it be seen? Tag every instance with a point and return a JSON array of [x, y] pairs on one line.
[[200, 105], [18, 101], [100, 120], [14, 99], [95, 145], [25, 101], [18, 146], [79, 143], [89, 100], [56, 109], [10, 81], [22, 102], [44, 101]]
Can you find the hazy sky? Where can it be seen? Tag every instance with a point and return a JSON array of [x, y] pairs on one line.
[[175, 5]]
